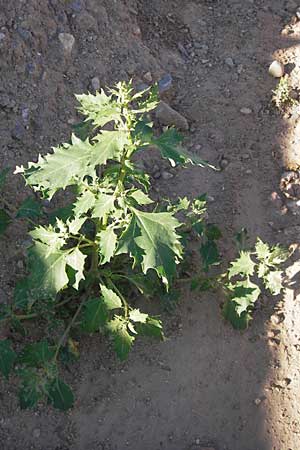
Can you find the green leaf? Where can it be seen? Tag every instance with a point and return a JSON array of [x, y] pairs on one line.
[[4, 221], [60, 395], [76, 260], [244, 294], [30, 209], [7, 358], [150, 103], [95, 315], [151, 328], [262, 250], [30, 392], [127, 243], [99, 108], [104, 204], [47, 275], [140, 197], [168, 144], [151, 238], [239, 322], [3, 176], [278, 256], [76, 224], [273, 281], [136, 316], [109, 146], [84, 203], [63, 214], [83, 129], [50, 237], [122, 339], [107, 244], [209, 254], [36, 355], [68, 164], [111, 300], [213, 232], [242, 265]]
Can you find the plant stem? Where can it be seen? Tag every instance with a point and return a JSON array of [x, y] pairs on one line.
[[67, 330]]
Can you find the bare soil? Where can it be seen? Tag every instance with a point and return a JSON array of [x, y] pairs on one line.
[[206, 386]]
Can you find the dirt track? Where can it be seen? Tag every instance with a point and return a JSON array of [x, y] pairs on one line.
[[201, 387]]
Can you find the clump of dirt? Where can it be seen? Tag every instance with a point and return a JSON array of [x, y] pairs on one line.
[[207, 385]]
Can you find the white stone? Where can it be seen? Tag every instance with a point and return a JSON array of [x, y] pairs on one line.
[[276, 69], [246, 111]]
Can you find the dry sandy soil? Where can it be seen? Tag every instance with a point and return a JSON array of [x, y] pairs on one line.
[[206, 386]]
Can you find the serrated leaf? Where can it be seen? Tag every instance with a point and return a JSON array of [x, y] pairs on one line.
[[150, 103], [36, 355], [7, 358], [136, 316], [239, 322], [210, 254], [140, 197], [151, 328], [109, 146], [99, 108], [48, 236], [151, 238], [30, 208], [262, 250], [4, 221], [243, 294], [84, 203], [273, 282], [60, 395], [107, 244], [127, 243], [122, 339], [104, 204], [168, 144], [67, 164], [3, 176], [278, 256], [95, 315], [110, 298], [47, 275], [76, 260], [76, 224], [242, 265], [262, 270]]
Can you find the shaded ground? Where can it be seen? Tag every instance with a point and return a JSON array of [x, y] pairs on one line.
[[201, 386]]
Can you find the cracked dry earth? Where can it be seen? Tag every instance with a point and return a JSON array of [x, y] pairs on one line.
[[207, 386]]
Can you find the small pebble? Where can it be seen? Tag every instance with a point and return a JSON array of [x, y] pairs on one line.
[[165, 83], [148, 77], [67, 40], [246, 111], [95, 83], [223, 163], [257, 401], [276, 69], [229, 62], [167, 175]]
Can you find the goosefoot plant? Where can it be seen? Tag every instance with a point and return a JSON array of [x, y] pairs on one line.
[[90, 260]]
